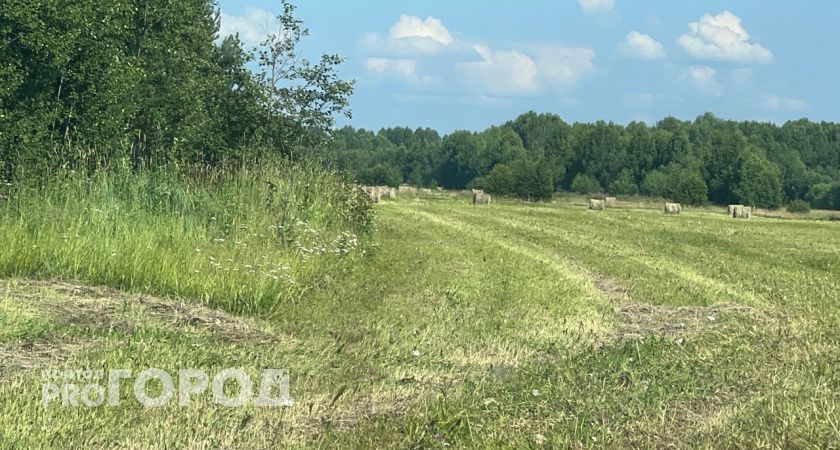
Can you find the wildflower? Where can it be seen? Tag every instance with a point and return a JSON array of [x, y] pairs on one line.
[[415, 353], [535, 393]]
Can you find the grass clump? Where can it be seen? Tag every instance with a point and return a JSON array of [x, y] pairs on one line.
[[247, 239]]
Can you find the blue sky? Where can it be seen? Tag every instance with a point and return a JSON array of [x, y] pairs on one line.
[[471, 64]]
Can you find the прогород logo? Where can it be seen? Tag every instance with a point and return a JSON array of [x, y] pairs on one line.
[[156, 388]]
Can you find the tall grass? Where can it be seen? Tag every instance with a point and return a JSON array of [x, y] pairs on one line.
[[246, 239]]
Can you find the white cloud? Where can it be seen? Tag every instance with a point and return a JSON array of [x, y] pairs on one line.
[[703, 79], [253, 27], [722, 37], [505, 73], [563, 67], [411, 35], [398, 68], [501, 72], [406, 68], [415, 45], [777, 103], [414, 27], [638, 45], [597, 6]]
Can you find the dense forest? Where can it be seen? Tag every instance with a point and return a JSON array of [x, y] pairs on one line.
[[707, 160], [151, 83]]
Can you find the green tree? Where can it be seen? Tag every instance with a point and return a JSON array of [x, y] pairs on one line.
[[585, 184], [677, 183], [300, 98], [759, 182], [624, 184], [501, 180], [381, 175], [533, 180]]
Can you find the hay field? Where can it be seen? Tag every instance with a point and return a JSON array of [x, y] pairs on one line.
[[507, 325]]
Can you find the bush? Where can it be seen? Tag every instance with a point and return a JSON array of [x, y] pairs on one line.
[[533, 180], [500, 180], [825, 196], [677, 183], [760, 183], [624, 185], [799, 206], [381, 175], [586, 184]]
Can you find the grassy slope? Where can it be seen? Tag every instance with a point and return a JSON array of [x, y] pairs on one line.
[[534, 324]]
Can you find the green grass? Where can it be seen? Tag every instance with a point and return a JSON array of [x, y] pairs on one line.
[[247, 241], [510, 326]]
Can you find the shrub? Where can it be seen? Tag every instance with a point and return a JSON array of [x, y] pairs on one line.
[[533, 180], [799, 206], [500, 180], [586, 184], [677, 183], [760, 183], [624, 185]]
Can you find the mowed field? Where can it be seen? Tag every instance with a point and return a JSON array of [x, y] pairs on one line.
[[510, 325]]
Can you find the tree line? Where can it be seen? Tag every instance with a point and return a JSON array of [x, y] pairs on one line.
[[535, 155], [151, 82]]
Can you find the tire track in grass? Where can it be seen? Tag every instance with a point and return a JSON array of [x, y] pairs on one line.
[[674, 268], [569, 271], [759, 260]]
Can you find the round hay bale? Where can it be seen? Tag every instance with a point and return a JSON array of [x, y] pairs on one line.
[[597, 205], [673, 209], [742, 212], [481, 198]]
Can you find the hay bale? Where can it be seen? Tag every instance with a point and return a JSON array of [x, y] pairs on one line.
[[373, 193], [610, 202], [731, 209], [673, 208], [387, 192], [480, 198], [425, 191], [407, 190], [742, 212], [597, 205]]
